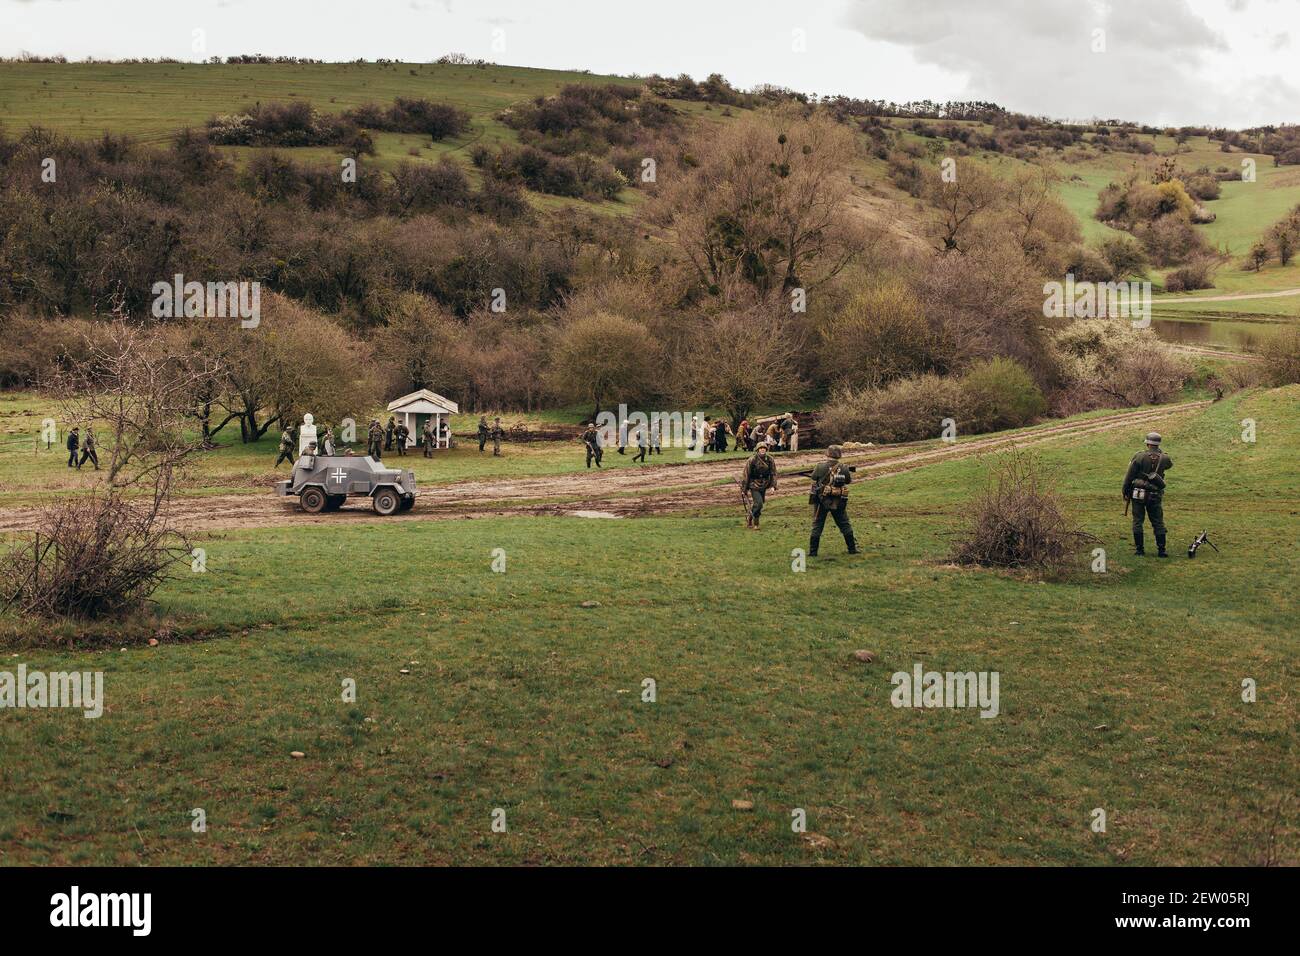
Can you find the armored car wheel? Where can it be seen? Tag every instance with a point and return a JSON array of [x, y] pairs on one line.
[[386, 501], [312, 501]]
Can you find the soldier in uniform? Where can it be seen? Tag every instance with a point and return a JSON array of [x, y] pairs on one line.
[[642, 443], [375, 445], [1144, 489], [591, 440], [657, 436], [757, 480], [88, 450], [74, 442], [498, 433], [830, 495], [390, 430], [286, 447], [426, 438], [482, 432], [401, 433]]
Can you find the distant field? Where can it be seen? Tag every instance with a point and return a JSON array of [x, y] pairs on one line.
[[150, 101]]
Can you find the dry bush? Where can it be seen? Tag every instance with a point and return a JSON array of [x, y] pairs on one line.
[[103, 555], [1107, 362], [908, 409], [95, 557], [1281, 357], [1019, 522]]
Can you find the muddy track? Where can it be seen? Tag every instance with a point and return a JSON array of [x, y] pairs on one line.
[[624, 492]]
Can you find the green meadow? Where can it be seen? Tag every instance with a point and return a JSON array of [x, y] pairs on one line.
[[523, 691]]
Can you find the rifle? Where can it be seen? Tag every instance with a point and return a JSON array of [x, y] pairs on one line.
[[807, 473], [1127, 501], [1202, 538]]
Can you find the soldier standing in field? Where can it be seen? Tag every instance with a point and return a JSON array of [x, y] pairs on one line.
[[758, 478], [482, 432], [375, 445], [390, 430], [426, 438], [286, 447], [1144, 489], [591, 440], [498, 433], [642, 443], [88, 450], [74, 442], [830, 495], [401, 433], [657, 436]]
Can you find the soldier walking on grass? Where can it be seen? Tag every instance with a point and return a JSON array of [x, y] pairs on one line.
[[1144, 490], [401, 433], [286, 447], [74, 442], [498, 433], [375, 446], [758, 478], [482, 432], [591, 440], [88, 451], [642, 443], [830, 495]]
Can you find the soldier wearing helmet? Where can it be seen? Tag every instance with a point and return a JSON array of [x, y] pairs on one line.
[[1144, 489]]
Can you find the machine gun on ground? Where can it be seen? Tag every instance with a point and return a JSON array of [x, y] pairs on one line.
[[1202, 538]]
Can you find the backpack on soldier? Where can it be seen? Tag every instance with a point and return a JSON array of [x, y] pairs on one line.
[[1151, 484]]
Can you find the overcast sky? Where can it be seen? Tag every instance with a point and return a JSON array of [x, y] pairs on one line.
[[1222, 62]]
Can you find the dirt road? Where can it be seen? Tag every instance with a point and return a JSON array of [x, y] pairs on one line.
[[624, 492]]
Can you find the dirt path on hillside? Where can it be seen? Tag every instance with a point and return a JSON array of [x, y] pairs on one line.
[[624, 492], [1212, 352], [1233, 297]]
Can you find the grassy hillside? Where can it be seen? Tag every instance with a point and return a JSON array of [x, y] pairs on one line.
[[1119, 690]]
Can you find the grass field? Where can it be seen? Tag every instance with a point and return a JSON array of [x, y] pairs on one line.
[[1119, 690]]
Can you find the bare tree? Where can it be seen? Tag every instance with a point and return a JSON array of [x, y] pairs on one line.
[[107, 552], [739, 360]]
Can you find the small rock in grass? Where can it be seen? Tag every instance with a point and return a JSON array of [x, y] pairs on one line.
[[742, 804], [867, 657], [404, 671], [591, 604], [153, 642], [817, 841], [296, 754]]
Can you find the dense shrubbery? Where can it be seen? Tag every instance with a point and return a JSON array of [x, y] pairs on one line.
[[993, 394], [1107, 362], [1281, 357], [411, 115], [1160, 214], [298, 123], [280, 124]]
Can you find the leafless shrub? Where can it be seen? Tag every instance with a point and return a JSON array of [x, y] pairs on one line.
[[106, 553], [1018, 522], [1281, 357], [94, 557]]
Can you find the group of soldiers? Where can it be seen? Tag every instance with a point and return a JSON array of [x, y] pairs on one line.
[[379, 439], [829, 494], [494, 433], [1143, 491], [85, 445]]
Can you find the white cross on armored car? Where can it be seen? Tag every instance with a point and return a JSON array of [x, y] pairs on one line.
[[324, 482]]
